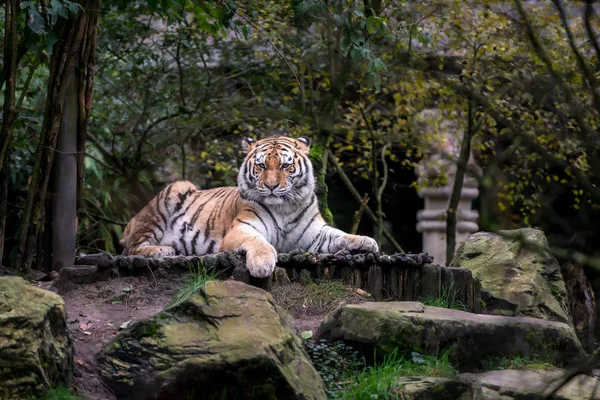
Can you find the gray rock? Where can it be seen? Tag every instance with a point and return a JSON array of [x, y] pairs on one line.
[[228, 340], [499, 385], [470, 337], [36, 351], [516, 280], [535, 384]]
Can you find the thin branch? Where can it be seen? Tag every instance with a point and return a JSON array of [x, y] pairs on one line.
[[268, 41], [358, 198], [589, 13], [580, 60], [537, 46], [358, 214], [380, 192]]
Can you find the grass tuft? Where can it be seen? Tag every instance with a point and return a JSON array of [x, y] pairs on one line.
[[347, 381], [447, 299], [495, 363], [61, 393], [199, 276]]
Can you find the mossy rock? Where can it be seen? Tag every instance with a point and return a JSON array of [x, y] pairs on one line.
[[226, 341], [36, 352], [516, 280], [471, 338]]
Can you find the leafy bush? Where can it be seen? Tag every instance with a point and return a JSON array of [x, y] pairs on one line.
[[335, 362]]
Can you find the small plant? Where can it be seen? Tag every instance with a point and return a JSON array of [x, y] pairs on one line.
[[379, 380], [197, 280], [447, 299], [334, 362], [61, 393], [495, 363]]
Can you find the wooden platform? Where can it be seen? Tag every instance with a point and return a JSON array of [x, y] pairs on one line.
[[405, 277]]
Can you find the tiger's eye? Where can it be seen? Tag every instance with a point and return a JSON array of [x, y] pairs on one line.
[[285, 166], [261, 165]]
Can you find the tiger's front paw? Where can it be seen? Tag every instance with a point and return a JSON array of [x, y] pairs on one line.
[[359, 244], [261, 260], [155, 251]]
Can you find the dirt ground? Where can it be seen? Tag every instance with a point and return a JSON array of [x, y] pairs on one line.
[[96, 312]]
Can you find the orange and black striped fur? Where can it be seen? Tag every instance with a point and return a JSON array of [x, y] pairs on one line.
[[273, 208]]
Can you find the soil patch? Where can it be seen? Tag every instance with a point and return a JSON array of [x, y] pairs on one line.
[[310, 303], [96, 312]]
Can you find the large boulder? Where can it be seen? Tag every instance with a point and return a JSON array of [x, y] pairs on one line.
[[516, 279], [228, 340], [498, 385], [36, 351], [470, 337]]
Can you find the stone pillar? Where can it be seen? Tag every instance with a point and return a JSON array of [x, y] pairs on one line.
[[435, 181]]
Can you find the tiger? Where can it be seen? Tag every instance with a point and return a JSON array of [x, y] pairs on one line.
[[274, 208]]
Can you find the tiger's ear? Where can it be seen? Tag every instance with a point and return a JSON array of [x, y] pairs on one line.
[[304, 144], [248, 144]]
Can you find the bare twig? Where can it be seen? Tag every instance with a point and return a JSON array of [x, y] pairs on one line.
[[358, 214], [380, 193], [269, 41], [358, 198]]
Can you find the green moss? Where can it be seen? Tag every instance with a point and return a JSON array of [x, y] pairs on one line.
[[145, 329], [316, 158]]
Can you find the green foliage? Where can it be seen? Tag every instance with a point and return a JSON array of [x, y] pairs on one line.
[[334, 362], [379, 379], [198, 278], [61, 393]]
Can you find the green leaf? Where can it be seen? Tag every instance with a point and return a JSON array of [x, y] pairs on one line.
[[35, 22], [59, 9]]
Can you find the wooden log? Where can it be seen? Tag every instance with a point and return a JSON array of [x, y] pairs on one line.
[[476, 296], [460, 284], [393, 284], [357, 278], [430, 281], [305, 277], [346, 275], [375, 282]]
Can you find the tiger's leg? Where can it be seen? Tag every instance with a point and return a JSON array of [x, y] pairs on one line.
[[249, 234], [143, 234], [326, 239]]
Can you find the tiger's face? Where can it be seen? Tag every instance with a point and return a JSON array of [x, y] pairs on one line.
[[276, 170]]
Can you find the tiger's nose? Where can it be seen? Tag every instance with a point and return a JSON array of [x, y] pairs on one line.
[[272, 186]]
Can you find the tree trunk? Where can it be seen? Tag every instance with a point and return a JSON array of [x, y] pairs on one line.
[[64, 176], [461, 166], [75, 41], [10, 72]]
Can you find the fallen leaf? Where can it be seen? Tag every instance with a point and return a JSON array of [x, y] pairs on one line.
[[124, 325], [362, 293], [85, 326], [80, 362], [306, 335], [87, 332]]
